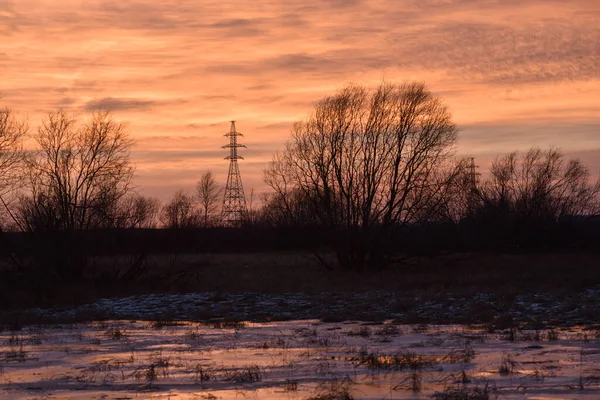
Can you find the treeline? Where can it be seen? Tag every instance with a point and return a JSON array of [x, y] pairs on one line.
[[377, 169], [369, 177]]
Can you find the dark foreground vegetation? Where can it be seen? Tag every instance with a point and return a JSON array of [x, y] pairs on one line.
[[501, 289], [132, 262], [367, 195]]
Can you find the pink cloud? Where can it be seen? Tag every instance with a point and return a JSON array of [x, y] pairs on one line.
[[514, 74]]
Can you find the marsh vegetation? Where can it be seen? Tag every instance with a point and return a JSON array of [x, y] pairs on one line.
[[297, 360]]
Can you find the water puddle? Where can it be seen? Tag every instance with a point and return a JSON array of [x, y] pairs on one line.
[[296, 360]]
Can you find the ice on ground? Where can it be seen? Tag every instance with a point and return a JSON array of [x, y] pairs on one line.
[[558, 309], [299, 359]]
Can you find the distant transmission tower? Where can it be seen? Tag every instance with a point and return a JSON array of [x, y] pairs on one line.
[[473, 186], [473, 175], [234, 201]]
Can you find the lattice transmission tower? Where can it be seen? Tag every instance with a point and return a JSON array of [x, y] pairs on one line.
[[473, 186], [234, 201], [473, 174]]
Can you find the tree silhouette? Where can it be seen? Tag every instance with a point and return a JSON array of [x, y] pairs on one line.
[[369, 161], [180, 212], [79, 174], [137, 211], [12, 133], [527, 194], [209, 195]]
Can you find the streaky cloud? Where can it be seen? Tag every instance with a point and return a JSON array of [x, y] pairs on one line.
[[514, 73], [109, 103]]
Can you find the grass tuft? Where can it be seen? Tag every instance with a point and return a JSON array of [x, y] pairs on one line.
[[248, 374], [508, 365], [202, 374], [363, 331], [223, 324], [552, 335], [334, 390], [159, 324], [115, 333], [396, 362], [476, 393]]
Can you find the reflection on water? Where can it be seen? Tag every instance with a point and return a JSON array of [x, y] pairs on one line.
[[296, 360]]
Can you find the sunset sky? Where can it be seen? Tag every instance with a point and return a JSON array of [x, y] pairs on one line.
[[514, 73]]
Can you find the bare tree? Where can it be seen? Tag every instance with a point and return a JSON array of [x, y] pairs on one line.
[[539, 185], [458, 198], [137, 211], [209, 195], [287, 205], [180, 212], [251, 216], [369, 161], [74, 181], [78, 175], [289, 209], [12, 133]]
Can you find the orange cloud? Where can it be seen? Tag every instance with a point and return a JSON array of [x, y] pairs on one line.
[[514, 73]]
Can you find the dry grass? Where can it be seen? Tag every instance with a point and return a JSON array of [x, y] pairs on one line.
[[334, 390], [476, 393], [508, 365], [397, 362], [246, 374], [115, 333]]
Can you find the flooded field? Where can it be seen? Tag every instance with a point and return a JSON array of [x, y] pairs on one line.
[[297, 360]]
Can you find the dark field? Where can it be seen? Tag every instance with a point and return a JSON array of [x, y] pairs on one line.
[[459, 288]]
